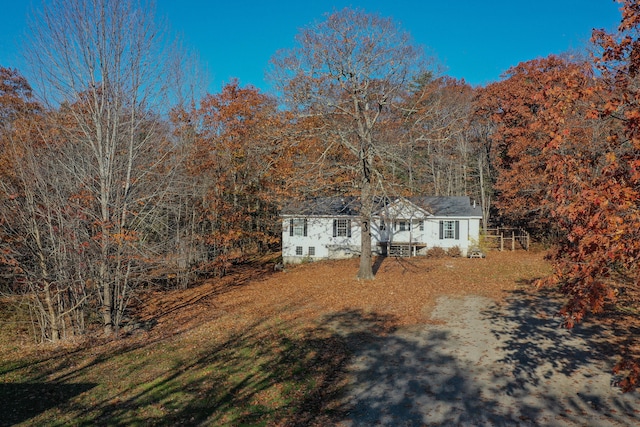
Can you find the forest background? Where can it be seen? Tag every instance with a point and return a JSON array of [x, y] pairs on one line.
[[117, 174]]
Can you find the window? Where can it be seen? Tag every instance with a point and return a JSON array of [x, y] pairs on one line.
[[312, 251], [383, 226], [298, 227], [450, 230], [401, 225], [341, 228], [299, 250], [421, 226]]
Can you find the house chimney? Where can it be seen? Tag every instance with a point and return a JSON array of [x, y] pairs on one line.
[[474, 203]]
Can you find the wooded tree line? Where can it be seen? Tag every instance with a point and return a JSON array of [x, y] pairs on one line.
[[114, 176], [114, 180]]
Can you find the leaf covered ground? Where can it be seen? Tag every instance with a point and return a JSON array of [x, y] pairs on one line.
[[257, 347]]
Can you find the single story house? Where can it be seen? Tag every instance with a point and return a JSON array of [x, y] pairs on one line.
[[329, 228]]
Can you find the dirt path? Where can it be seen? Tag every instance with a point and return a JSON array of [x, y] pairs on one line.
[[488, 365]]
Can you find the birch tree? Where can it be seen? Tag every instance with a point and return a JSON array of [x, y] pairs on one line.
[[100, 62], [436, 151], [348, 71]]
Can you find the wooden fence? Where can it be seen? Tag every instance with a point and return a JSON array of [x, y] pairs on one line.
[[509, 238]]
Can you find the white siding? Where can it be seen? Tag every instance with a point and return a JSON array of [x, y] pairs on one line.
[[474, 232], [320, 236], [469, 230], [402, 209]]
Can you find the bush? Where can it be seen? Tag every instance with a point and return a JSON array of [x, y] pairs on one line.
[[483, 244], [454, 252], [436, 252]]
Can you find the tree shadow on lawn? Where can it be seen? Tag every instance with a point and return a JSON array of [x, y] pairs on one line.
[[164, 306], [569, 369], [532, 334], [410, 378], [517, 367], [22, 401], [507, 365], [269, 374], [405, 265]]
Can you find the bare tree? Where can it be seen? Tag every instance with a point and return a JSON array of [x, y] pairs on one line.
[[100, 63], [348, 70], [437, 154]]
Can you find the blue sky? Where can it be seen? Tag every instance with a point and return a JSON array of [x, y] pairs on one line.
[[477, 40]]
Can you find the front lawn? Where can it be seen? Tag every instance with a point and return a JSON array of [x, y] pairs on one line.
[[255, 348]]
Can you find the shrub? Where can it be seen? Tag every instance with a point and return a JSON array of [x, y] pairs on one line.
[[454, 252], [436, 252], [483, 244]]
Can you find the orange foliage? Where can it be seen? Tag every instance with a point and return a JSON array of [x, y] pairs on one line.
[[246, 156], [607, 246], [535, 108], [567, 149], [235, 152], [17, 110]]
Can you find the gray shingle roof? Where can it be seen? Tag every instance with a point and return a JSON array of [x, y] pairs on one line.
[[457, 206], [323, 206], [447, 206]]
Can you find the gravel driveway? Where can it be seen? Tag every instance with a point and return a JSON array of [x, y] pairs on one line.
[[486, 364]]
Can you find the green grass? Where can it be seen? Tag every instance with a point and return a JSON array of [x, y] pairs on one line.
[[265, 374]]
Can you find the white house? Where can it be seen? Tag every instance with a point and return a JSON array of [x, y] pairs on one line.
[[329, 228]]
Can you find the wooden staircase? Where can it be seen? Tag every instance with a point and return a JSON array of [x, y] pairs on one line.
[[400, 250]]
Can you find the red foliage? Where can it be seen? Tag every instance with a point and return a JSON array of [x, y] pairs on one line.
[[532, 109], [567, 150], [585, 132]]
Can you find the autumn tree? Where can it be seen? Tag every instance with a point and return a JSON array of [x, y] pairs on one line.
[[347, 71], [596, 188], [313, 163], [100, 64], [526, 108], [232, 163], [35, 197], [437, 150], [480, 133], [16, 103]]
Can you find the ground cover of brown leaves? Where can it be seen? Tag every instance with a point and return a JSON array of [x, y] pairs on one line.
[[256, 346], [298, 312], [404, 289]]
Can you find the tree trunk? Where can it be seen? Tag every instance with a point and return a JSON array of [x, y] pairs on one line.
[[366, 269], [484, 194], [53, 318]]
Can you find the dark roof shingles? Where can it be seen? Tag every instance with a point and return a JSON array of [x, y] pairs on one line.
[[350, 206]]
